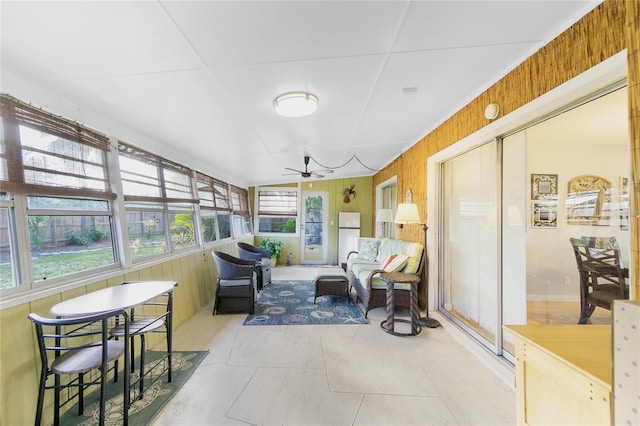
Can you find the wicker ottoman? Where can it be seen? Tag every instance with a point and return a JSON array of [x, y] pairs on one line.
[[331, 282]]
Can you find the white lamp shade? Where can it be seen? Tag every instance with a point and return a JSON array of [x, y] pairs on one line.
[[407, 213], [384, 215], [295, 104]]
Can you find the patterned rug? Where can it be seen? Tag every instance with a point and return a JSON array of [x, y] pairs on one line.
[[291, 303], [155, 397]]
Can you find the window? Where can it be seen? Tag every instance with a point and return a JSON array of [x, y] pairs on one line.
[[57, 220], [9, 262], [159, 204], [55, 176], [214, 208], [68, 236], [277, 211], [240, 208]]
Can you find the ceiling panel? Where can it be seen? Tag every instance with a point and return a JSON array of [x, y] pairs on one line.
[[451, 24], [227, 33], [53, 41], [195, 80], [445, 80], [342, 86]]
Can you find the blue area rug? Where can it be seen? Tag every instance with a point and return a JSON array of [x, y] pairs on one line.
[[291, 303]]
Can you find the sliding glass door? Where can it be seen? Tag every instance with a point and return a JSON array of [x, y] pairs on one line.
[[469, 255], [510, 210]]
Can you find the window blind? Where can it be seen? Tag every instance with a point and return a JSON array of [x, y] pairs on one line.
[[212, 193], [147, 177], [44, 154], [239, 201], [278, 203]]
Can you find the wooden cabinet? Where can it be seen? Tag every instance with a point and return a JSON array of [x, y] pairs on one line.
[[563, 374]]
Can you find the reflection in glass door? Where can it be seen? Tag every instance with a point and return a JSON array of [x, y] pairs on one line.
[[550, 204], [512, 212], [469, 262], [314, 225]]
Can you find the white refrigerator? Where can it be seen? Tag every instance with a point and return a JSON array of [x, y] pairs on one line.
[[348, 234]]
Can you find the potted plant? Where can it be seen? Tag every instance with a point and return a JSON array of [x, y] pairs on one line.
[[274, 246]]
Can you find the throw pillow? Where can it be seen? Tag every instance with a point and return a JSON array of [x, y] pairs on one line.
[[368, 250], [397, 263], [387, 261]]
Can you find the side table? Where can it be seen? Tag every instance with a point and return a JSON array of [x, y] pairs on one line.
[[263, 273], [391, 278]]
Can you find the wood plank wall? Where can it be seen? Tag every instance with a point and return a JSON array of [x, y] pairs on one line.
[[362, 203], [608, 29]]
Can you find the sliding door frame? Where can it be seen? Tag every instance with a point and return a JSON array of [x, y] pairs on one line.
[[602, 77]]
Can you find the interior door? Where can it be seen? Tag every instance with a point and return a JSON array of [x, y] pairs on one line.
[[314, 228]]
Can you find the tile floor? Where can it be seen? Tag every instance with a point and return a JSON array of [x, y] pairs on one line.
[[336, 375]]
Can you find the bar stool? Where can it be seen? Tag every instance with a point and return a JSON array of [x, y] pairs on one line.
[[149, 321], [77, 345]]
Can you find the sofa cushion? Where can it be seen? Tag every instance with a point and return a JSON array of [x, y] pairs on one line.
[[358, 268], [235, 283], [414, 251], [354, 262], [397, 263], [378, 283], [368, 249], [387, 261], [384, 249]]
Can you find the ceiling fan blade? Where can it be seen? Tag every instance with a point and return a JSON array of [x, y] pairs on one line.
[[316, 174], [293, 170], [290, 174], [325, 171]]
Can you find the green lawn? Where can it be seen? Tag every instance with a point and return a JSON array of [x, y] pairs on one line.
[[56, 265]]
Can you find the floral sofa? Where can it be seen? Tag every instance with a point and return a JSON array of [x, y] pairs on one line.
[[377, 255]]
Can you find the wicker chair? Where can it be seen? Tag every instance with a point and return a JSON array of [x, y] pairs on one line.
[[262, 257], [602, 277], [249, 252], [236, 289]]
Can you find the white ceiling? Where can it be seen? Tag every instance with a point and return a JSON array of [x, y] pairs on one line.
[[194, 81]]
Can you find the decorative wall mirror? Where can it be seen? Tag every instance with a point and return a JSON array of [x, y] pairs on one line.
[[585, 197]]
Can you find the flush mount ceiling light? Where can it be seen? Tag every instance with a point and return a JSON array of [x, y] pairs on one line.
[[295, 104]]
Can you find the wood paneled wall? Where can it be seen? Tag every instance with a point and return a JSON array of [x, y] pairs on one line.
[[608, 29], [362, 203]]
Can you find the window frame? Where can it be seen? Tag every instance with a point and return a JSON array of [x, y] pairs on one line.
[[135, 202], [18, 184], [241, 212], [222, 200], [82, 175], [60, 212], [258, 213]]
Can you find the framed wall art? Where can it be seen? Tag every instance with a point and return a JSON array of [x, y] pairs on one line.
[[544, 187], [585, 197], [544, 215]]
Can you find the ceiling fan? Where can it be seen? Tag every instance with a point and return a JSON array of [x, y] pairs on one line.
[[308, 173]]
